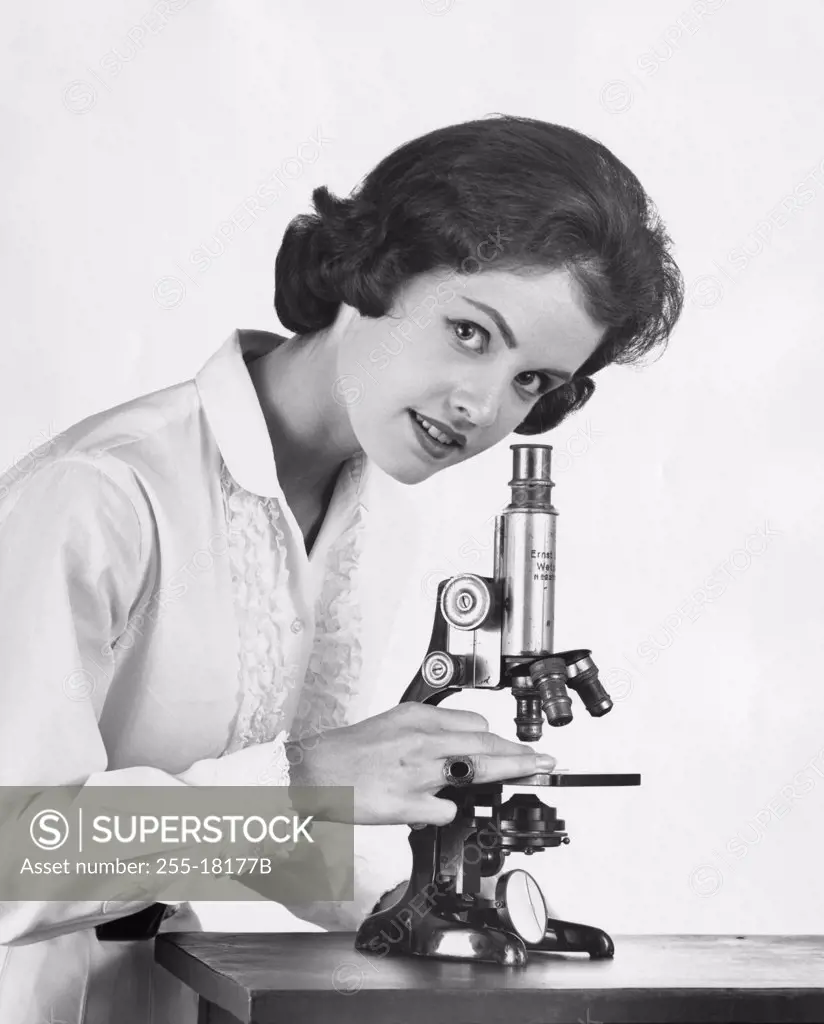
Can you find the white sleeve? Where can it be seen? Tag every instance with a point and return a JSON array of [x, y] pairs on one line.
[[72, 566]]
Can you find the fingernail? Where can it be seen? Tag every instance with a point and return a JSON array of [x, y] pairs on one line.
[[546, 761]]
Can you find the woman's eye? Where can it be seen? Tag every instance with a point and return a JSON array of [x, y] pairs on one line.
[[465, 328], [536, 385], [544, 382]]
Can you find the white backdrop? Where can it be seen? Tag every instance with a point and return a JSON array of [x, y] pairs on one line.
[[135, 138]]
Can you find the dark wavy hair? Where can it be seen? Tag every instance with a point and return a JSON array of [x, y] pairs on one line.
[[555, 198]]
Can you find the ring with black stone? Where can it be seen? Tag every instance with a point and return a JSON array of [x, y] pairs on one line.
[[459, 770]]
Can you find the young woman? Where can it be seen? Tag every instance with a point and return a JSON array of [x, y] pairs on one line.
[[182, 576]]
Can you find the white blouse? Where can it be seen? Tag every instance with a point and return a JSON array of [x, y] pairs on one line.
[[162, 624]]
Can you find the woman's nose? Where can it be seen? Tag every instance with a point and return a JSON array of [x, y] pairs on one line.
[[479, 405]]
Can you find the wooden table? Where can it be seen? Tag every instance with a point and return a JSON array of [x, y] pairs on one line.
[[315, 978]]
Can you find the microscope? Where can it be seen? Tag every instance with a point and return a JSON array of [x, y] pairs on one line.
[[491, 634]]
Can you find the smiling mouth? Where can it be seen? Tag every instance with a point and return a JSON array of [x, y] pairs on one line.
[[438, 444]]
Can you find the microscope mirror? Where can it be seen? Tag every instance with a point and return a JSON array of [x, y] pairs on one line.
[[522, 908]]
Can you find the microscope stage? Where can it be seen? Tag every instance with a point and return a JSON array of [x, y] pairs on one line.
[[567, 778]]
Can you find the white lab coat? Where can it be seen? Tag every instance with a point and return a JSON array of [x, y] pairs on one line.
[[119, 652]]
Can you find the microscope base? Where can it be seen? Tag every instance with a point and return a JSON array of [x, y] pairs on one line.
[[387, 933], [568, 937], [440, 939]]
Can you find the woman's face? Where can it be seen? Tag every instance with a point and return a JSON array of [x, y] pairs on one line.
[[469, 353]]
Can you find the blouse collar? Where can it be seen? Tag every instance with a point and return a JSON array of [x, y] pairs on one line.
[[236, 419]]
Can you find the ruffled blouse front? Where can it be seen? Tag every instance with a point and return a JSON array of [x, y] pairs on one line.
[[280, 700], [277, 698]]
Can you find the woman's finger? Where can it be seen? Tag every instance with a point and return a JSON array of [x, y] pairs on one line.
[[433, 810], [454, 720], [496, 769], [451, 743]]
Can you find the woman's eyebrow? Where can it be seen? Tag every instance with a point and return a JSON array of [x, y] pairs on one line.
[[506, 331]]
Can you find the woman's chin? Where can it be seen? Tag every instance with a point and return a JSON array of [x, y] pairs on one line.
[[406, 471], [408, 475], [403, 458]]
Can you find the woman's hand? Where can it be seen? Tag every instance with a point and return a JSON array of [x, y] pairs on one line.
[[394, 761]]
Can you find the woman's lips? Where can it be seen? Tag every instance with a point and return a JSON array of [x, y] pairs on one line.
[[435, 448]]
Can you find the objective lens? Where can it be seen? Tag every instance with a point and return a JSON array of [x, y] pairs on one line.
[[582, 675], [550, 677], [529, 722], [596, 699]]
